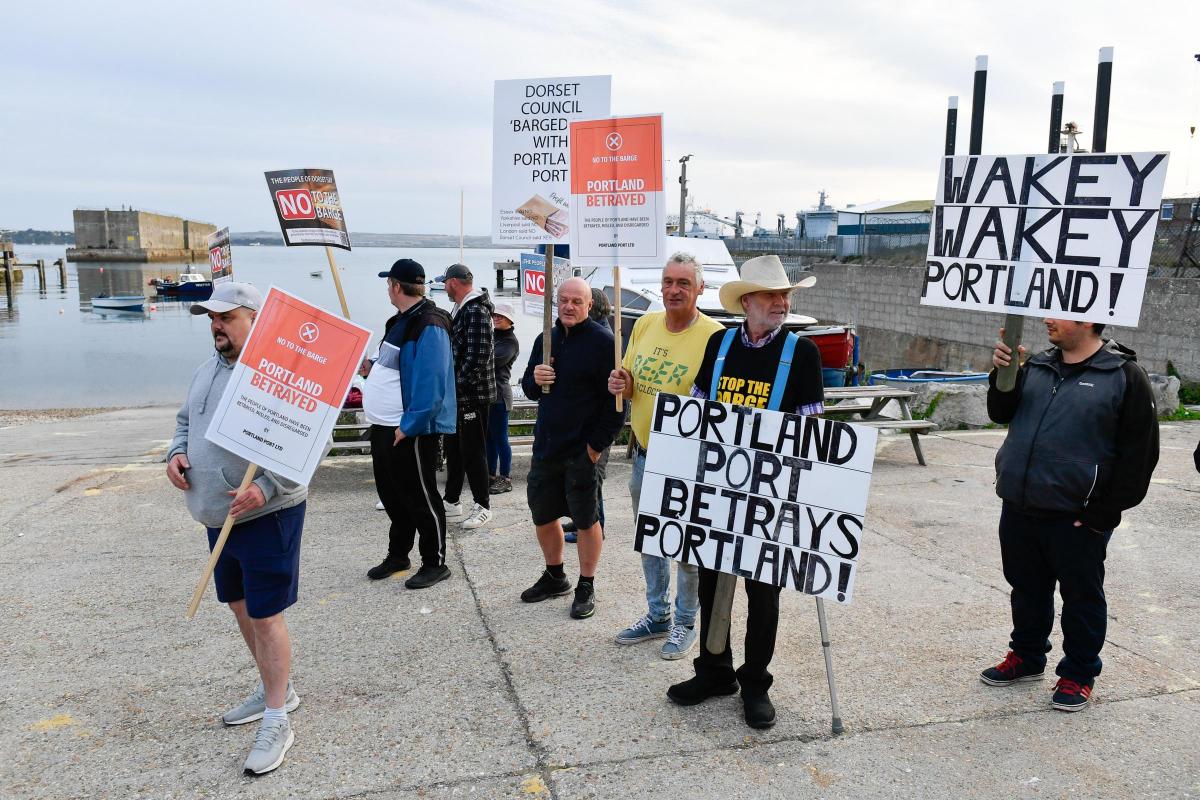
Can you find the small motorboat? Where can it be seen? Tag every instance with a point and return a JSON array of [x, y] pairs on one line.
[[316, 273], [909, 377], [192, 284], [121, 302]]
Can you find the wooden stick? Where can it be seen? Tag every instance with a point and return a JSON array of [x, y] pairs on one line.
[[547, 309], [218, 547], [337, 281], [722, 610], [617, 327]]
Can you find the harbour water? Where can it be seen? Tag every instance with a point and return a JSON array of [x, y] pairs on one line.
[[57, 352]]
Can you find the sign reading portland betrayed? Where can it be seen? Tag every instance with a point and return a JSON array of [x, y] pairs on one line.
[[1063, 236], [769, 496]]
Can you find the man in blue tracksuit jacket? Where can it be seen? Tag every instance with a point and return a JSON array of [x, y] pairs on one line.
[[1082, 444], [409, 399]]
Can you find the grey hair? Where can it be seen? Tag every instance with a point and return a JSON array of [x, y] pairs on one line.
[[680, 257]]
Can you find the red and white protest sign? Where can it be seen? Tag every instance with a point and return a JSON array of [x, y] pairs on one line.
[[309, 207], [288, 385]]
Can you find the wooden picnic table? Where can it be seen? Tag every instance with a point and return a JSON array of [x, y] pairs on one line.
[[869, 402]]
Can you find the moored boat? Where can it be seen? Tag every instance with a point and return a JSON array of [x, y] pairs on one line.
[[123, 302], [192, 284]]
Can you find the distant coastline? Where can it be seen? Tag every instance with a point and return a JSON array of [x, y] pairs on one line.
[[274, 239]]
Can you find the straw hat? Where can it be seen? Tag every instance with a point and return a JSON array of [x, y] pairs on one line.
[[762, 274]]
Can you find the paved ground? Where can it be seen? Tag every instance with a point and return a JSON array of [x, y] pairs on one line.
[[462, 691]]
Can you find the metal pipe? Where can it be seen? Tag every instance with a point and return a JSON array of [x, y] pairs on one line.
[[978, 97], [825, 648], [1103, 93], [951, 124]]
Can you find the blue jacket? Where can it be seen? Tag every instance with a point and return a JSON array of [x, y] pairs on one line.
[[422, 336]]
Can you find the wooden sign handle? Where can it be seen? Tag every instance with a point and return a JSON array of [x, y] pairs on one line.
[[337, 282], [617, 328], [722, 610], [218, 547]]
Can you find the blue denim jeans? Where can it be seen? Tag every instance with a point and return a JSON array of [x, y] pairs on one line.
[[658, 570]]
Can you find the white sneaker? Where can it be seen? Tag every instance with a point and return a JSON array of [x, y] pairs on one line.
[[379, 506], [271, 744], [452, 509], [479, 517]]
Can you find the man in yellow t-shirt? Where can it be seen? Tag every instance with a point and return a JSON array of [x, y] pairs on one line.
[[664, 352]]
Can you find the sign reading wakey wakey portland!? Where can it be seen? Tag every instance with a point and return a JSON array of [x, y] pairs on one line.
[[1063, 236], [769, 496]]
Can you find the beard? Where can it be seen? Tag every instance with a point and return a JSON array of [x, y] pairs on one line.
[[224, 346]]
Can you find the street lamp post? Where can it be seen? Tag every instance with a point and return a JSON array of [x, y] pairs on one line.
[[683, 195]]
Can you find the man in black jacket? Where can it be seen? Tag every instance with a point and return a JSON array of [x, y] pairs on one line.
[[1082, 444], [577, 419], [471, 338]]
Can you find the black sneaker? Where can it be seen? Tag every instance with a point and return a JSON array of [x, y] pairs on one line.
[[697, 690], [428, 576], [500, 485], [389, 566], [1071, 696], [760, 711], [1012, 669], [569, 527], [546, 587], [584, 604]]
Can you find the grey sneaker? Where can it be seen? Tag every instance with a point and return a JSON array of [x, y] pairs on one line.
[[645, 628], [452, 509], [252, 707], [679, 642], [271, 744]]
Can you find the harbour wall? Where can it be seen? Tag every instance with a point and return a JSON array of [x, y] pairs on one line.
[[896, 331], [138, 236]]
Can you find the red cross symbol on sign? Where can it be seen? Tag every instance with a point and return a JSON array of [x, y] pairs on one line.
[[613, 141], [309, 332]]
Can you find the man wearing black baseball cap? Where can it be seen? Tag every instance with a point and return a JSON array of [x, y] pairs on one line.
[[409, 400], [473, 344]]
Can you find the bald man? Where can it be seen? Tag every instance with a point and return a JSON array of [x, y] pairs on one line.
[[577, 420]]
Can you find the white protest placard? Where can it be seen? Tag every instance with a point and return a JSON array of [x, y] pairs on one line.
[[529, 153], [618, 207], [533, 283], [1063, 236], [769, 496], [288, 385]]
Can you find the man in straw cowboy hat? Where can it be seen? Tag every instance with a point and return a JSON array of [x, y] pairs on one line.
[[756, 364]]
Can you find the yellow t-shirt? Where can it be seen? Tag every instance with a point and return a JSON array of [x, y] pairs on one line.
[[661, 361]]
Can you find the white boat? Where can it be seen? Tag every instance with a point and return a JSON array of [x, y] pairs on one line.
[[125, 302]]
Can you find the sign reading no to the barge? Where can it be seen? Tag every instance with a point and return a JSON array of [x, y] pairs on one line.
[[1063, 236], [531, 121], [769, 496], [308, 207]]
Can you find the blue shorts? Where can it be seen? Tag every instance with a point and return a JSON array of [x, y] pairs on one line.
[[260, 562]]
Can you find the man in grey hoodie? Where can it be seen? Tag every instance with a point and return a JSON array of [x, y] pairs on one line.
[[257, 574]]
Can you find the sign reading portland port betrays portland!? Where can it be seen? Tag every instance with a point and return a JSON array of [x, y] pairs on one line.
[[769, 496], [1063, 236], [288, 385], [309, 207], [529, 153]]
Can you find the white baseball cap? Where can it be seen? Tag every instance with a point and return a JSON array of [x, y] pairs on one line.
[[229, 295]]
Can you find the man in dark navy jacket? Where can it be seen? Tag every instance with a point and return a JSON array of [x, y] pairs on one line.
[[577, 419], [1082, 444]]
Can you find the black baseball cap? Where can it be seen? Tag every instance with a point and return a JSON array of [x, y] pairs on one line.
[[460, 271], [406, 271]]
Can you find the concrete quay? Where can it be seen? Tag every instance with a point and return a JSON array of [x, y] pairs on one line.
[[463, 691]]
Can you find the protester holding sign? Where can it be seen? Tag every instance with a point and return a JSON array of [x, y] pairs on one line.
[[1082, 444], [663, 354], [409, 400], [473, 343], [258, 571], [576, 421], [760, 366]]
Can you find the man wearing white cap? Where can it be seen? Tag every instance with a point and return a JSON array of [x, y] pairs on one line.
[[258, 571], [756, 364]]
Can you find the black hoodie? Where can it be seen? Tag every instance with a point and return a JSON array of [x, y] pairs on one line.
[[1082, 439]]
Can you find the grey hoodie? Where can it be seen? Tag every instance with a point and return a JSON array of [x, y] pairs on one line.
[[215, 471]]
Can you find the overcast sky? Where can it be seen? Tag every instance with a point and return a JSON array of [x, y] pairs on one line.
[[180, 108]]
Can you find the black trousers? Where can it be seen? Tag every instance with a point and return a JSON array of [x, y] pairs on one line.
[[405, 479], [1038, 552], [762, 622], [466, 452]]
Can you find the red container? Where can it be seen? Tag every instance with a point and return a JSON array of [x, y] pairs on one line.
[[835, 343]]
